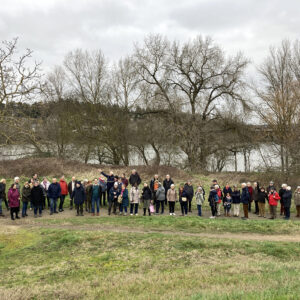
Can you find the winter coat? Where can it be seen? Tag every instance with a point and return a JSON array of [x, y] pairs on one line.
[[273, 199], [262, 197], [236, 197], [103, 185], [160, 194], [255, 193], [134, 195], [213, 198], [199, 198], [172, 195], [2, 191], [113, 194], [287, 198], [54, 190], [125, 198], [70, 189], [189, 191], [26, 194], [79, 195], [37, 196], [245, 197], [225, 191], [88, 192], [220, 195], [63, 187], [281, 192], [167, 184], [110, 180], [135, 179], [125, 181], [96, 190], [146, 193], [13, 198], [297, 198]]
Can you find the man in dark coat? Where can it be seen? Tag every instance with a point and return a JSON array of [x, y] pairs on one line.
[[79, 197], [37, 198], [245, 199], [135, 178], [109, 182], [167, 185], [287, 202], [54, 192], [189, 190]]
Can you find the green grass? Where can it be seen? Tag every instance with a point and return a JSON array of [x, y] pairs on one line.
[[69, 264]]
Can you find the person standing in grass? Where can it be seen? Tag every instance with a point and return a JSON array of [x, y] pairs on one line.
[[3, 195], [273, 202], [53, 194], [26, 198], [160, 199], [183, 201], [297, 201], [227, 189], [134, 199], [189, 190], [250, 191], [271, 186], [96, 190], [199, 196], [255, 196], [37, 198], [45, 185], [213, 200], [167, 185], [245, 199], [154, 187], [125, 200], [14, 201], [103, 187], [146, 198], [71, 187], [282, 190], [227, 204], [236, 200], [88, 192], [172, 199], [220, 198], [287, 202], [64, 192], [113, 198], [79, 196], [262, 197]]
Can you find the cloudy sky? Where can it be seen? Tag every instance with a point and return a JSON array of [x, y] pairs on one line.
[[53, 27]]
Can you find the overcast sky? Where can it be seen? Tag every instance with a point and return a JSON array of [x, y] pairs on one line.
[[53, 27]]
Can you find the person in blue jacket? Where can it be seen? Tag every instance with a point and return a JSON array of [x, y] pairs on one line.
[[54, 192], [245, 199], [79, 197]]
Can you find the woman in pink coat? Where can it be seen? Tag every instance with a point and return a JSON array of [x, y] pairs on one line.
[[14, 201]]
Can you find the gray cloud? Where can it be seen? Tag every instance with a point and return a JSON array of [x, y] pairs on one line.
[[52, 28]]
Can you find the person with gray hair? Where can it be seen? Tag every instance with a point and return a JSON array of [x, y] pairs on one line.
[[281, 192], [172, 199]]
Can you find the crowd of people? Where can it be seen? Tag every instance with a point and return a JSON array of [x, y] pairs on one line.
[[122, 196]]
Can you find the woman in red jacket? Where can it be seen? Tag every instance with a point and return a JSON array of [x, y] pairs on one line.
[[14, 201], [273, 201], [64, 192]]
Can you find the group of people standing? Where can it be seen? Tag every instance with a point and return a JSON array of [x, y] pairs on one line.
[[231, 198], [154, 197]]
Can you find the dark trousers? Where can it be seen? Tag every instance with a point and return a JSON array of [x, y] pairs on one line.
[[184, 207], [24, 209], [145, 209], [134, 206], [256, 207], [123, 208], [79, 208], [282, 209], [158, 204], [6, 204], [71, 201], [102, 199], [199, 210], [190, 205], [213, 208], [37, 208], [287, 211], [171, 207], [249, 206], [14, 210], [112, 204], [61, 203], [245, 208]]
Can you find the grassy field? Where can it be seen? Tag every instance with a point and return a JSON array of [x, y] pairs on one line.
[[149, 258]]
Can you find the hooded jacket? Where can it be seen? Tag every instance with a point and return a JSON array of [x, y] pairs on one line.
[[78, 194], [37, 196], [160, 194], [274, 198]]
